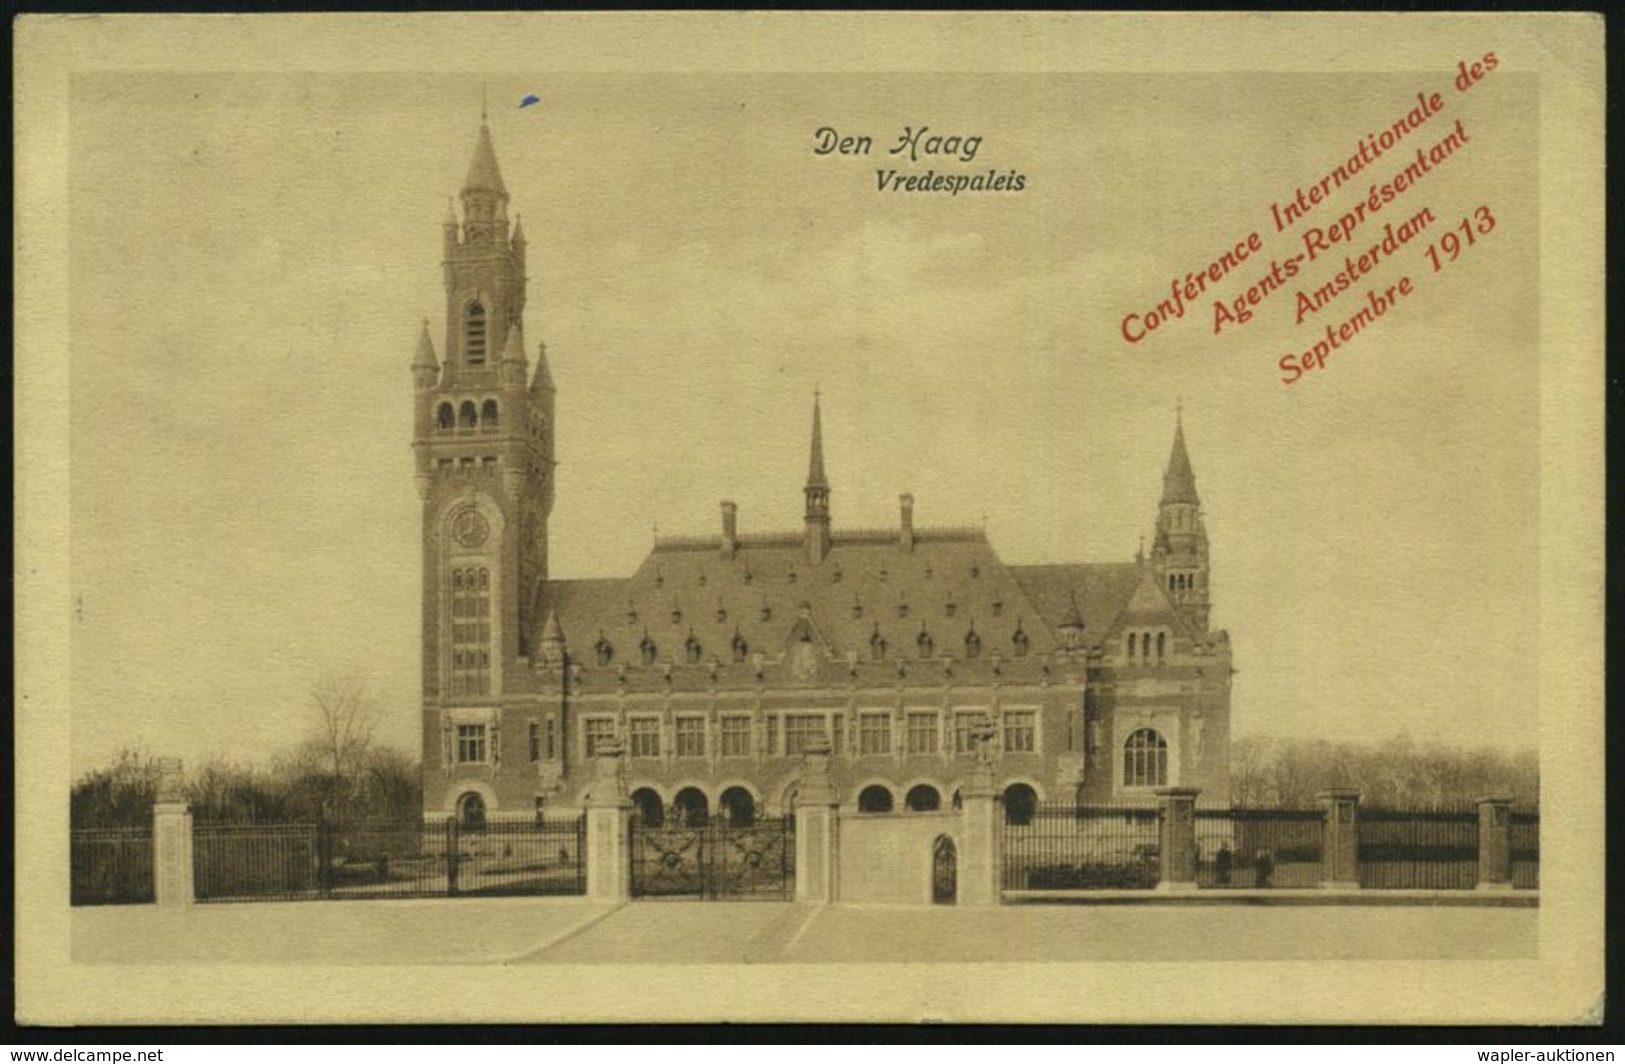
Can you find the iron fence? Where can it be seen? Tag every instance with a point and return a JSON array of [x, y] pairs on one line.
[[110, 866], [323, 860], [1419, 849], [1259, 847], [715, 860], [1066, 847], [1524, 829]]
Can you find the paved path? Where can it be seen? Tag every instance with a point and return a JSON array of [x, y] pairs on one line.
[[575, 931]]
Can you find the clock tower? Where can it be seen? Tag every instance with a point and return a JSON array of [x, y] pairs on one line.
[[483, 439]]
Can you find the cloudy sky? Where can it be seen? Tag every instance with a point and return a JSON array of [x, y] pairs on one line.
[[251, 256]]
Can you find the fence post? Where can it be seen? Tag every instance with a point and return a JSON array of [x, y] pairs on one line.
[[171, 838], [1495, 843], [979, 861], [1340, 839], [609, 844], [1176, 837], [817, 826]]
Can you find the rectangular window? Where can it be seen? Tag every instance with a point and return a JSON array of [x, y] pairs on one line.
[[535, 741], [922, 732], [1020, 731], [598, 730], [471, 744], [799, 728], [770, 731], [735, 736], [644, 736], [690, 736], [874, 733], [470, 602], [964, 726], [550, 754]]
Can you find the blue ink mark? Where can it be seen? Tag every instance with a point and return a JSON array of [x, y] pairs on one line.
[[528, 100]]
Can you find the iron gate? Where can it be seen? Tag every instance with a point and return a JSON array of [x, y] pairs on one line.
[[715, 861]]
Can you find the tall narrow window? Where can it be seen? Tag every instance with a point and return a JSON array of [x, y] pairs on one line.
[[467, 418], [1145, 759], [475, 334], [1020, 731], [1162, 645], [488, 415], [446, 418], [735, 736], [598, 730], [1145, 645], [922, 732], [535, 741], [471, 631]]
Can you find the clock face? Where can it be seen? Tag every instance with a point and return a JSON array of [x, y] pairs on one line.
[[470, 529]]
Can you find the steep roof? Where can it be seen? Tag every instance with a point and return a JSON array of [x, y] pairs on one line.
[[766, 593]]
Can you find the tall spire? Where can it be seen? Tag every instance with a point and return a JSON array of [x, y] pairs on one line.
[[817, 493], [1179, 483], [483, 172], [815, 467]]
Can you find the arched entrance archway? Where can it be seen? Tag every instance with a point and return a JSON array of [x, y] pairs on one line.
[[738, 807], [691, 808], [651, 810], [1020, 801], [471, 812], [944, 871]]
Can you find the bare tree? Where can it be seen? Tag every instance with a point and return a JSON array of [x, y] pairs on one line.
[[347, 715]]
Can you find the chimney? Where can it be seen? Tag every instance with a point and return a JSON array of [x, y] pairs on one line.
[[906, 538], [730, 529]]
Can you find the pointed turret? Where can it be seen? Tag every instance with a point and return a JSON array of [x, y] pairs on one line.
[[543, 380], [519, 230], [817, 492], [485, 198], [552, 641], [513, 366], [425, 367]]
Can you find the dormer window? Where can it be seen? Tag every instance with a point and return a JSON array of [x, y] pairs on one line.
[[924, 643], [973, 644], [692, 649], [474, 334], [1019, 642], [877, 645], [741, 648], [604, 649], [648, 650]]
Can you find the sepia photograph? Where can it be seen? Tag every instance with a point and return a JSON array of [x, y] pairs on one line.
[[809, 518]]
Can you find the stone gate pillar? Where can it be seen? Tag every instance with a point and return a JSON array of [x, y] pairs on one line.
[[980, 860], [1495, 843], [1340, 839], [171, 838], [609, 843], [1176, 838], [817, 827]]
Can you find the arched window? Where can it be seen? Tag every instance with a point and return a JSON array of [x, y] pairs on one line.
[[1019, 641], [605, 649], [471, 812], [973, 644], [488, 415], [1020, 801], [924, 643], [1132, 642], [692, 649], [875, 799], [1145, 645], [446, 419], [648, 650], [467, 416], [474, 334], [923, 798], [471, 631], [741, 648], [1162, 645], [1145, 759]]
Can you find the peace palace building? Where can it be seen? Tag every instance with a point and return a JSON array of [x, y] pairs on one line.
[[723, 655]]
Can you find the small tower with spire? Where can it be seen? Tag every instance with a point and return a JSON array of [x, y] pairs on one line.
[[1179, 550], [817, 492]]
